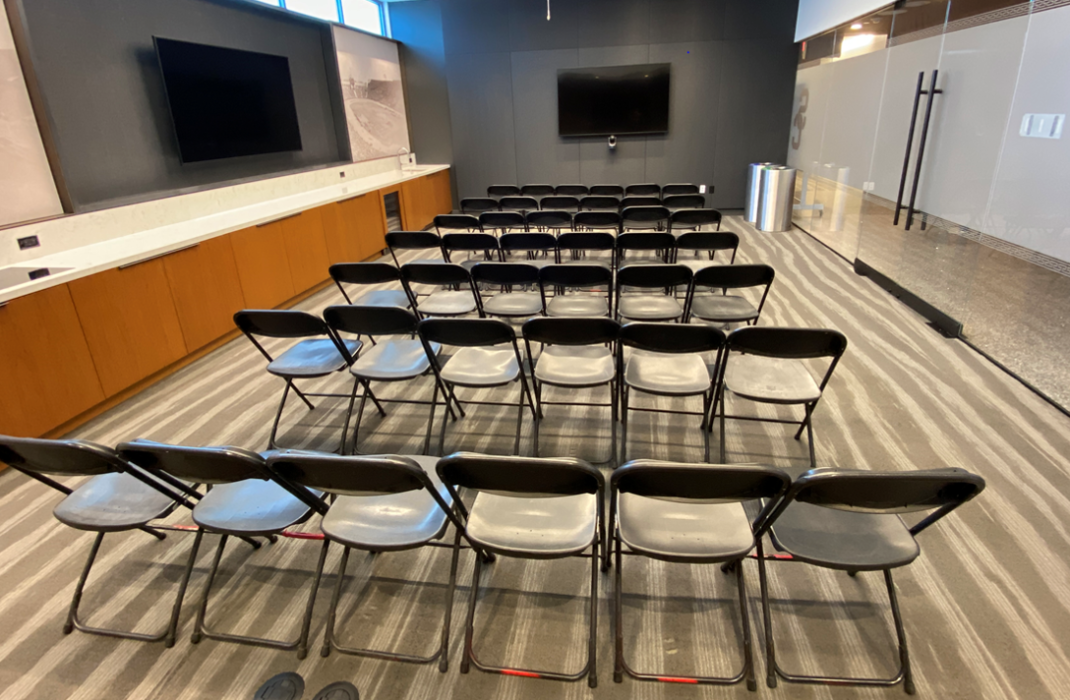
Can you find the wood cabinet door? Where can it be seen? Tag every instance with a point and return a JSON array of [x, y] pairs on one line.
[[343, 244], [205, 286], [306, 249], [130, 323], [441, 192], [260, 254], [369, 221], [412, 204], [45, 366]]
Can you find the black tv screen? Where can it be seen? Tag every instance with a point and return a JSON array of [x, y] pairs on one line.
[[613, 100], [227, 103]]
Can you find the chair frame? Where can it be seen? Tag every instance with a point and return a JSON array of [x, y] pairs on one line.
[[572, 190], [433, 242], [507, 191], [425, 272], [680, 188], [560, 202], [672, 201], [740, 282], [479, 205], [607, 242], [505, 220], [463, 223], [556, 272], [660, 223], [553, 220], [643, 189], [505, 275], [667, 269], [514, 202], [607, 191]]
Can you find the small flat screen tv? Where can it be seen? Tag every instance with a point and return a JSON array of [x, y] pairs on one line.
[[226, 102], [614, 100]]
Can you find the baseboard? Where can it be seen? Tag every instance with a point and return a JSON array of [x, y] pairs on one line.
[[940, 320]]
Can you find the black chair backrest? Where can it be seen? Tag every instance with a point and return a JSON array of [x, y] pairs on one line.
[[520, 475], [678, 188], [562, 203], [794, 343], [60, 457], [364, 273], [280, 323], [576, 276], [571, 331], [456, 222], [476, 205], [469, 241], [549, 219], [599, 203], [646, 241], [694, 218], [201, 465], [505, 273], [537, 190], [572, 190], [502, 190], [370, 320], [586, 240], [608, 190], [413, 240], [890, 492], [635, 201], [700, 482], [734, 276], [652, 276], [709, 240], [466, 332], [644, 216], [528, 241], [597, 220], [501, 219], [647, 189], [350, 476], [672, 337], [519, 203], [435, 273], [684, 201]]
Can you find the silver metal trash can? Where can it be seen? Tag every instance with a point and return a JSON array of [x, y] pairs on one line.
[[754, 175], [776, 198]]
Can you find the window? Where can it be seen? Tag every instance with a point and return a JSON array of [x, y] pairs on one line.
[[320, 9], [363, 14], [366, 15]]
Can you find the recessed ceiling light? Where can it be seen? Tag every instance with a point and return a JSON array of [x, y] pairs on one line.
[[856, 25]]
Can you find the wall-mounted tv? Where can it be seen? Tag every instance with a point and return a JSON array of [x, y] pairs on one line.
[[613, 100], [226, 102]]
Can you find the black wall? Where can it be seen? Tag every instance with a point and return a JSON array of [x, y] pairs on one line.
[[97, 72], [733, 76]]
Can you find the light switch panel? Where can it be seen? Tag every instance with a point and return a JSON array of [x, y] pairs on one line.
[[1042, 126]]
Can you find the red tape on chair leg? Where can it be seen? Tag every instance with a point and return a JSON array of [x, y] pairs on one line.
[[525, 674], [670, 679]]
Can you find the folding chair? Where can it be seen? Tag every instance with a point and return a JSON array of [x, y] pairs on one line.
[[480, 362], [582, 242], [311, 358], [682, 220], [764, 364], [469, 243], [608, 220], [725, 308], [850, 521], [530, 509], [118, 497], [385, 503], [520, 204], [668, 190], [643, 217], [670, 362], [415, 240], [502, 221], [552, 220], [646, 305], [558, 279], [599, 203], [509, 303], [457, 299], [643, 190], [537, 191], [709, 242], [572, 190], [688, 514], [560, 203], [243, 501], [530, 245], [679, 202], [392, 360], [496, 191], [608, 191], [634, 201], [454, 223], [577, 353], [369, 273], [478, 205], [661, 243]]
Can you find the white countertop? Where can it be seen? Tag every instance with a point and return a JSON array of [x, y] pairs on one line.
[[155, 242]]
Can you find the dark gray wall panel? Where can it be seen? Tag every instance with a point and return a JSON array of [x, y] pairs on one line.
[[541, 155], [481, 114], [613, 22], [686, 20], [98, 73], [530, 31], [756, 19], [475, 26]]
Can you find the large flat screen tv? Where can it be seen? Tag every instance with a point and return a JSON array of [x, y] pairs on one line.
[[614, 100], [227, 103]]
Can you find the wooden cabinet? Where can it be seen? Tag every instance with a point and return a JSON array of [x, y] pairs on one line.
[[205, 287], [370, 220], [340, 233], [130, 323], [45, 366], [354, 228], [306, 249], [441, 192], [264, 274], [424, 198]]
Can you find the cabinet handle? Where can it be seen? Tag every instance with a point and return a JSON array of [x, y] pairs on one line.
[[275, 221], [158, 255]]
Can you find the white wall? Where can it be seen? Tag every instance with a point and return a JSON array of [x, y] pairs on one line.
[[817, 16]]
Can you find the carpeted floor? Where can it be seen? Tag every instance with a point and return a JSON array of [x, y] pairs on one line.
[[985, 605]]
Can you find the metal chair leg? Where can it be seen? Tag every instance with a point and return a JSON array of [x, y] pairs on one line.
[[306, 623], [724, 410], [198, 628], [520, 418], [592, 642], [901, 635], [328, 634]]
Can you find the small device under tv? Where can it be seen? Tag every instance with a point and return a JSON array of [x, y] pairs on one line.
[[228, 102], [613, 100]]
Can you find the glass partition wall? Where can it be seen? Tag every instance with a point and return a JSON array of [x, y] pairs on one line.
[[954, 195]]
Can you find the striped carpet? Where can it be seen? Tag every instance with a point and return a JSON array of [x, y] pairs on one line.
[[983, 605]]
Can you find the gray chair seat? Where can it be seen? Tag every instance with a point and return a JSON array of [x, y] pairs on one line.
[[448, 302], [481, 367], [715, 307], [112, 502], [312, 358], [577, 305], [514, 304], [249, 507], [771, 379], [582, 365], [649, 307], [540, 528], [391, 521], [384, 297], [676, 530], [667, 374], [393, 360], [841, 539]]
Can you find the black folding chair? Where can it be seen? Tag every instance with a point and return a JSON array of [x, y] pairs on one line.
[[469, 243], [577, 353], [531, 509], [480, 362], [118, 497], [850, 521], [723, 307], [670, 363], [478, 205], [456, 295], [682, 220], [600, 203], [764, 364], [319, 353], [520, 204], [537, 191], [556, 280], [399, 241], [635, 201], [502, 221], [643, 190], [678, 202], [366, 274], [496, 191], [661, 243], [453, 223], [579, 243], [560, 203], [688, 514], [509, 302], [597, 221], [608, 190], [669, 190], [553, 220], [243, 500], [709, 242], [572, 190], [530, 245], [646, 305], [643, 217]]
